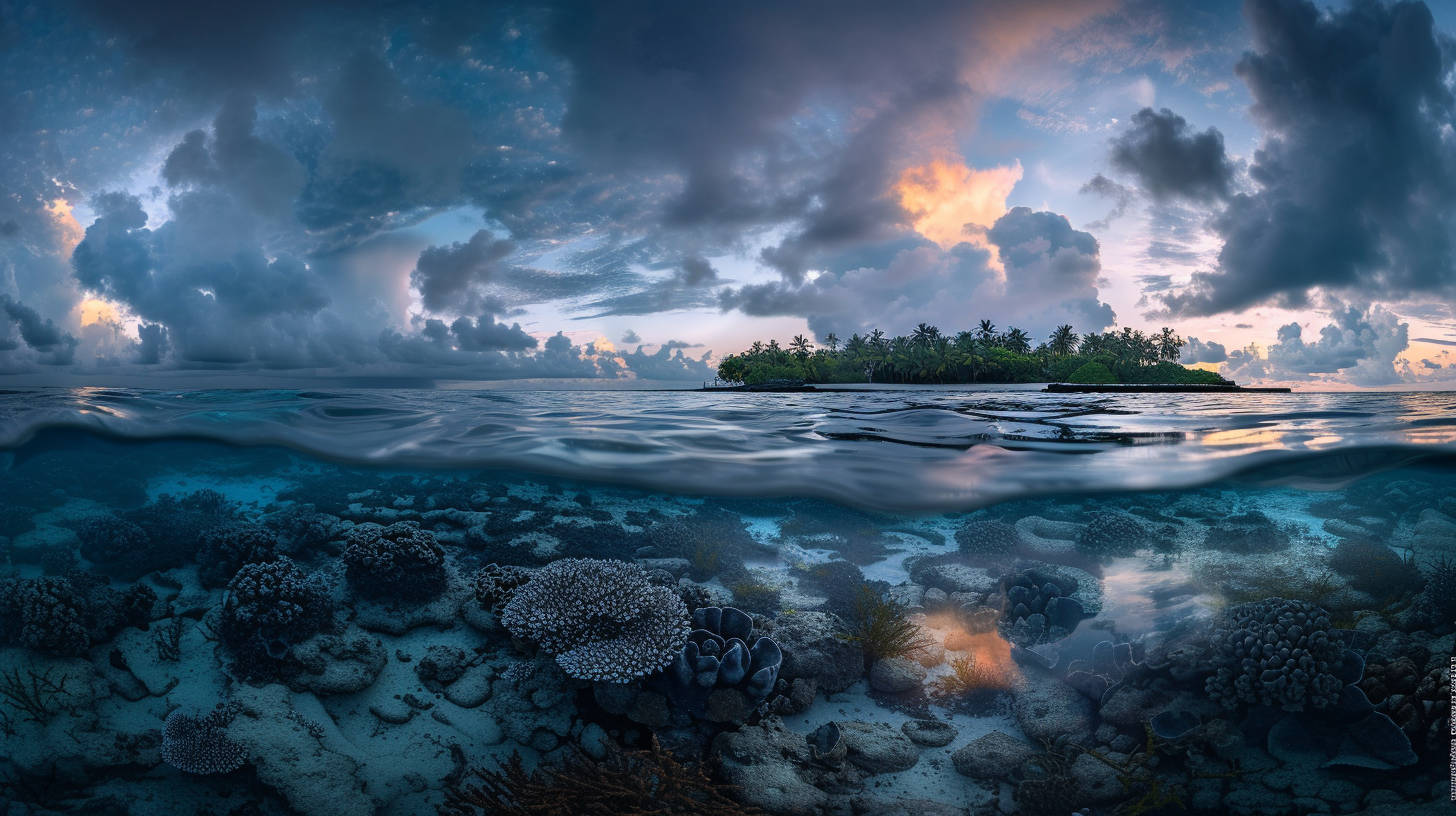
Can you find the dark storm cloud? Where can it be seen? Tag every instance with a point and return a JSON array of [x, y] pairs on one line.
[[1434, 340], [56, 347], [1170, 159], [451, 277], [1155, 283], [1356, 182], [632, 337], [1198, 351]]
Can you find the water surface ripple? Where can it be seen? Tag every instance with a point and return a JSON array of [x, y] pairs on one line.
[[894, 450]]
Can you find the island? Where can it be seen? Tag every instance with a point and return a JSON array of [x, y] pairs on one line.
[[1114, 361]]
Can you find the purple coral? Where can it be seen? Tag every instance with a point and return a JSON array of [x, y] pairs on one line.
[[400, 561]]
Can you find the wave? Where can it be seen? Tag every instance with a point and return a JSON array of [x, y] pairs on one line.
[[907, 451]]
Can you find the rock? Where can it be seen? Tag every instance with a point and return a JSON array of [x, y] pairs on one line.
[[650, 709], [760, 761], [956, 578], [726, 705], [866, 806], [878, 748], [931, 656], [959, 640], [910, 596], [816, 646], [934, 599], [894, 675], [1047, 708], [676, 567], [1435, 535], [339, 664], [1096, 780], [441, 666], [594, 741], [930, 733], [315, 780], [995, 756], [1128, 707], [473, 687], [1048, 528], [1252, 799]]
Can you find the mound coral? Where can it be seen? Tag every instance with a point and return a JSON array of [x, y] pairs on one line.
[[200, 744], [115, 542], [226, 548], [601, 620], [1419, 702], [160, 535], [398, 561], [52, 617], [1039, 606], [1114, 534], [269, 608], [495, 585], [988, 537], [1276, 653], [717, 675]]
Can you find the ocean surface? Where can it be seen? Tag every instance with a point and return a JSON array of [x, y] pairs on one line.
[[916, 450], [940, 601]]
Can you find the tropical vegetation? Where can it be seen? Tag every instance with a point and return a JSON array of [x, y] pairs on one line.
[[982, 355]]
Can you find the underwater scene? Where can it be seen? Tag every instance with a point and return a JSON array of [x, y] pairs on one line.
[[874, 603]]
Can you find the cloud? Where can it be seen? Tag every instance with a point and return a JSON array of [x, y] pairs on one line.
[[1171, 160], [450, 278], [1050, 277], [680, 344], [1356, 177], [949, 202], [56, 347], [631, 337], [1359, 347], [1197, 351], [1105, 187], [1434, 340]]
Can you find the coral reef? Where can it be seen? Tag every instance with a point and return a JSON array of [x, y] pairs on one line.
[[643, 783], [200, 744], [495, 585], [160, 535], [1419, 702], [52, 617], [717, 675], [1276, 653], [602, 620], [1039, 606], [1247, 533], [1112, 533], [300, 527], [226, 548], [398, 561], [988, 538], [269, 608], [114, 542]]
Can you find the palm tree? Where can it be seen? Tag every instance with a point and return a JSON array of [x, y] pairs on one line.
[[1170, 345], [832, 341], [1063, 341], [924, 334], [800, 346], [1016, 340], [987, 332]]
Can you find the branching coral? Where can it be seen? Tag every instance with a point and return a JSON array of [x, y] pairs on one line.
[[400, 561], [1276, 652], [37, 695], [200, 744], [643, 783], [602, 620]]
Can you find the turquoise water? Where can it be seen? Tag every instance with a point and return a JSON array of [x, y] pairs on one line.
[[340, 602]]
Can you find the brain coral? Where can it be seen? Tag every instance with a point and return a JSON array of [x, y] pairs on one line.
[[400, 561], [200, 744], [1113, 534], [1278, 653], [988, 537], [602, 620]]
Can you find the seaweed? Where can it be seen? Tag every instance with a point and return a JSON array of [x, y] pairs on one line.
[[168, 640], [35, 694], [967, 677], [646, 782], [881, 628]]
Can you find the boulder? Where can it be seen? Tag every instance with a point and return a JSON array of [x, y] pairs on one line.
[[894, 675], [760, 760], [1046, 708], [816, 646], [995, 756], [878, 748], [930, 733]]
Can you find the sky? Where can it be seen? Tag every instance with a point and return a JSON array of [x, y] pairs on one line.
[[318, 189]]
